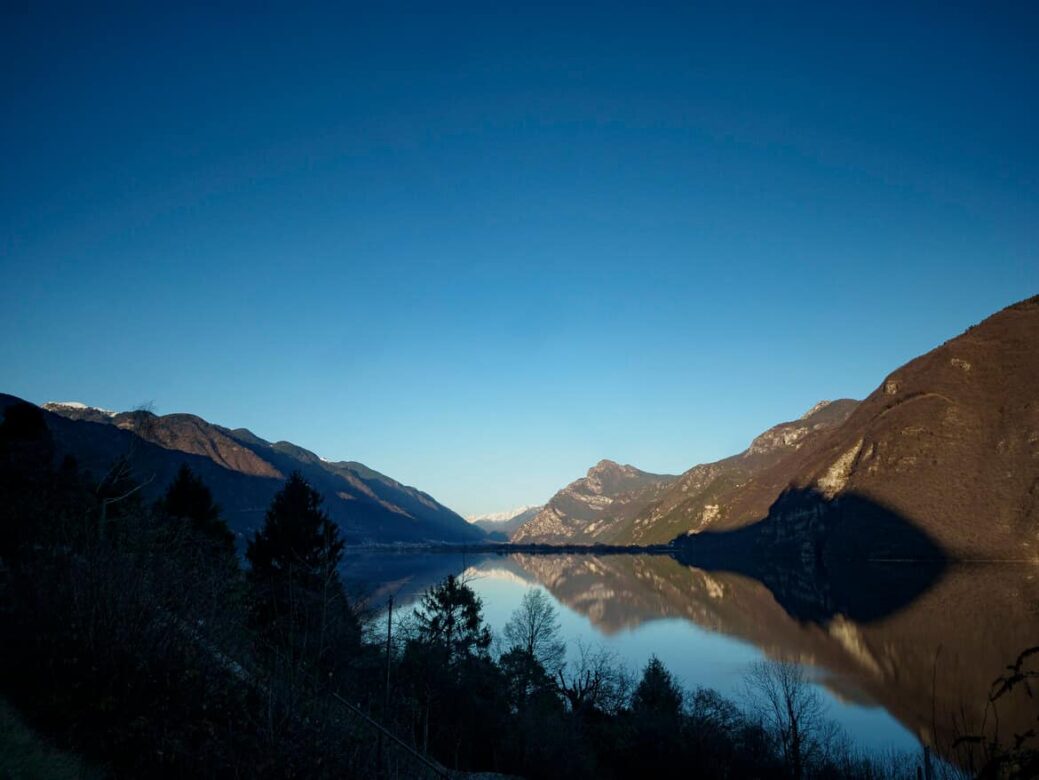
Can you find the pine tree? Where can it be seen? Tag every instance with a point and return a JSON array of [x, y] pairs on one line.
[[451, 617], [188, 498], [657, 694], [298, 601], [298, 541]]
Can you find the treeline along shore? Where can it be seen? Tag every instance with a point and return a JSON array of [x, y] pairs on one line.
[[141, 642]]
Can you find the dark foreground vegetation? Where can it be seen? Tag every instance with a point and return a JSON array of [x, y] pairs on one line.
[[136, 643]]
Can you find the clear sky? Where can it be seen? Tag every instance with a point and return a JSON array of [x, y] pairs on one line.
[[479, 250]]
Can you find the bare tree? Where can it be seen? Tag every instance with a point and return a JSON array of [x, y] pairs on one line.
[[534, 629], [793, 710], [596, 681], [121, 482]]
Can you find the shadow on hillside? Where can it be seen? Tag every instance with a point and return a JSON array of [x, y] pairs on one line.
[[822, 558]]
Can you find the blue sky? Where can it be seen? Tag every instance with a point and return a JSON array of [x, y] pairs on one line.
[[480, 250]]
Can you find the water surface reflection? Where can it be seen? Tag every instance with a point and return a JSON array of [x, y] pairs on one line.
[[902, 652]]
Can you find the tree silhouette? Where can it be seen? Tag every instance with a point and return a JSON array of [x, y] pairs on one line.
[[595, 683], [526, 677], [26, 451], [298, 541], [793, 710], [298, 603], [451, 617], [188, 498], [657, 695], [534, 629]]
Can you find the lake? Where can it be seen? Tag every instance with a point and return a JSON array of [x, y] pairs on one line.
[[904, 654]]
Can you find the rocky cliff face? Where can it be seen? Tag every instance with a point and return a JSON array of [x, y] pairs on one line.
[[705, 496], [616, 504], [941, 460], [588, 509]]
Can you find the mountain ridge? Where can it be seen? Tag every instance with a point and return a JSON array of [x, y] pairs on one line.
[[948, 442], [244, 471], [500, 526], [662, 508], [585, 510], [701, 496]]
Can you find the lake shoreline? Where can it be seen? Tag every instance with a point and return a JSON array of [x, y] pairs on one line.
[[504, 548]]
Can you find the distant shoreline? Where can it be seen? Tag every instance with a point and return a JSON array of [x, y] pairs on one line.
[[505, 548]]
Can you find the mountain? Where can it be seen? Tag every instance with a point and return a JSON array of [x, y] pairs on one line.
[[941, 460], [501, 525], [945, 452], [501, 517], [716, 494], [632, 507], [245, 471], [588, 509]]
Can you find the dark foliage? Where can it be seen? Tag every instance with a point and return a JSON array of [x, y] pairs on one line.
[[298, 540], [1021, 757], [308, 637], [126, 645], [188, 498], [133, 637], [451, 621]]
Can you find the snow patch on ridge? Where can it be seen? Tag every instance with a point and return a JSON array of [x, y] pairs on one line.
[[78, 405], [500, 517]]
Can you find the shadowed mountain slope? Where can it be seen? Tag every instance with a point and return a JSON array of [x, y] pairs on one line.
[[244, 471], [949, 442], [704, 495], [621, 505]]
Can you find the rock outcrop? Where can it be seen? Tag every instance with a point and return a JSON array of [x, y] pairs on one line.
[[714, 495], [948, 443], [589, 509]]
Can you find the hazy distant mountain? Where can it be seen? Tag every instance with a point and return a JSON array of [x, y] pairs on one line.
[[947, 448], [501, 525], [500, 517], [588, 509], [244, 471]]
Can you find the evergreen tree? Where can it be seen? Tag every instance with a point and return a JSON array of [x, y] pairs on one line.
[[451, 618], [657, 695], [298, 540], [188, 498], [298, 601], [527, 679], [26, 452], [655, 739]]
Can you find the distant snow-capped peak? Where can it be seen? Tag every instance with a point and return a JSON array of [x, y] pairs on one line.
[[500, 517], [78, 405]]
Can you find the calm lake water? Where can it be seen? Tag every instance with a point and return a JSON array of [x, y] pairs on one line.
[[902, 654]]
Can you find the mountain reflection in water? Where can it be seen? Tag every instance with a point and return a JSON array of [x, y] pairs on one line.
[[923, 641]]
